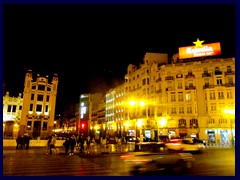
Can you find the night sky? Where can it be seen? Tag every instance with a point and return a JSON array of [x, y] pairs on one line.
[[90, 46]]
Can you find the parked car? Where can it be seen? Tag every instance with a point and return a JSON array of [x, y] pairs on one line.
[[130, 139], [184, 145], [164, 163]]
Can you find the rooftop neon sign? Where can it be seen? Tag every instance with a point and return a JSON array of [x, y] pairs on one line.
[[199, 50]]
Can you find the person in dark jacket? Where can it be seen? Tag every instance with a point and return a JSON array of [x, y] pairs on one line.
[[67, 145], [81, 143], [26, 139], [19, 142], [72, 143]]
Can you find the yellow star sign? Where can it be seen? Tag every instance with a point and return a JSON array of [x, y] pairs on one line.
[[198, 43]]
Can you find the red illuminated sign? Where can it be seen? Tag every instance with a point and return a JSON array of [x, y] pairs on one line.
[[199, 50]]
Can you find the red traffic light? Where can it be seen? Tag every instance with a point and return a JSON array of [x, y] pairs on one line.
[[82, 125]]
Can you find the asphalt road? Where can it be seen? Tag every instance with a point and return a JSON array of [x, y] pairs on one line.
[[35, 162]]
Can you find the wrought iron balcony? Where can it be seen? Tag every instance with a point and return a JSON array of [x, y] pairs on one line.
[[230, 73], [190, 87], [169, 78], [206, 75]]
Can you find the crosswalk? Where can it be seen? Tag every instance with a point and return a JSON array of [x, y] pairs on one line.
[[46, 165]]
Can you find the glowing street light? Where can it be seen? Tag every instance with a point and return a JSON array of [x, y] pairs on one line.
[[230, 112], [138, 123]]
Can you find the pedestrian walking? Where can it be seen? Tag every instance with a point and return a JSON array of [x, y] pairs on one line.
[[26, 139], [81, 143], [88, 142], [66, 144], [72, 144], [52, 143], [48, 144], [19, 141], [119, 144]]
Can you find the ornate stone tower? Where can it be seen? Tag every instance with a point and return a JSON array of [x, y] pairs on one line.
[[38, 110]]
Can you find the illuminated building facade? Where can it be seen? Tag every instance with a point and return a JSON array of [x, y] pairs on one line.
[[12, 109], [181, 99], [38, 108]]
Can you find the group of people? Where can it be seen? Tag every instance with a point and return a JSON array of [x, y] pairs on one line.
[[23, 141], [78, 142]]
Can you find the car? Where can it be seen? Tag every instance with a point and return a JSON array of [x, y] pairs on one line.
[[184, 145], [130, 139], [164, 163]]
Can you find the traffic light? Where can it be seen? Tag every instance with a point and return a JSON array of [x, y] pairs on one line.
[[83, 126]]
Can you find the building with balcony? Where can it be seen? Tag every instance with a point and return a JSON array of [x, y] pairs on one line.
[[191, 98]]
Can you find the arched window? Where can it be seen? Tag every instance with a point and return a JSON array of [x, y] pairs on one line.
[[229, 69]]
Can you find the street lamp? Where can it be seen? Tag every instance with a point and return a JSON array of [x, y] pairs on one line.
[[230, 112], [162, 122], [137, 123]]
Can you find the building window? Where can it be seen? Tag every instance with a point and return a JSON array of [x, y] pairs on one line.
[[181, 110], [14, 108], [48, 89], [193, 122], [213, 108], [212, 95], [46, 109], [180, 85], [222, 121], [32, 96], [143, 81], [211, 121], [217, 71], [173, 97], [189, 110], [205, 71], [180, 96], [229, 95], [229, 69], [148, 81], [182, 122], [230, 80], [33, 87], [39, 108], [40, 97], [44, 126], [31, 107], [219, 81], [29, 125], [9, 108], [220, 95], [174, 111], [41, 87], [206, 109], [20, 108], [188, 97], [47, 100]]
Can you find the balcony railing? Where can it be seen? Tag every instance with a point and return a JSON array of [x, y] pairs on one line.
[[190, 87], [190, 76], [206, 75], [230, 84], [169, 78], [230, 73], [218, 72]]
